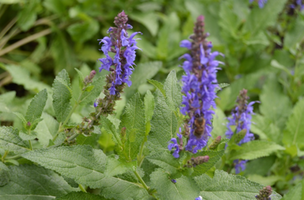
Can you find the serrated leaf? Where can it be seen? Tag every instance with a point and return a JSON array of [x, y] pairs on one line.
[[165, 160], [36, 106], [173, 91], [158, 85], [62, 96], [149, 106], [224, 186], [80, 196], [116, 166], [33, 182], [141, 74], [221, 86], [90, 96], [10, 140], [82, 163], [108, 127], [214, 157], [274, 104], [296, 192], [294, 133], [80, 78], [255, 149], [268, 180], [164, 124], [184, 188], [133, 119]]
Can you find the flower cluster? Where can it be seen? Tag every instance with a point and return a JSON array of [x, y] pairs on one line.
[[260, 2], [241, 118], [199, 86], [298, 3], [124, 49]]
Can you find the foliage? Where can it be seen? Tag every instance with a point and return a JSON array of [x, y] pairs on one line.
[[48, 48]]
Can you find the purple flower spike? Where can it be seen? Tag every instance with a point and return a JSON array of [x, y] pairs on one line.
[[124, 48], [199, 86], [241, 118]]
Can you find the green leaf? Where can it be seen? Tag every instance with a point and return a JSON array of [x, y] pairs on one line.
[[214, 157], [158, 85], [62, 52], [62, 96], [165, 160], [27, 16], [21, 76], [224, 186], [140, 75], [149, 106], [81, 195], [295, 35], [164, 124], [84, 31], [33, 182], [296, 192], [268, 180], [219, 124], [36, 106], [81, 163], [255, 149], [10, 140], [294, 133], [133, 119], [11, 1], [256, 20], [56, 6], [149, 20], [90, 96], [116, 166], [184, 188], [265, 128], [271, 97], [173, 91]]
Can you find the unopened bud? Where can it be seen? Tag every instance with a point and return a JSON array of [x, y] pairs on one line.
[[28, 124], [92, 74], [123, 132], [215, 143], [193, 162], [264, 193]]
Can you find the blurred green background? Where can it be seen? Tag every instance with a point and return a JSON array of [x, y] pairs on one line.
[[263, 50]]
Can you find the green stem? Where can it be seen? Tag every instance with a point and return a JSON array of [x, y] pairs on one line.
[[73, 137], [30, 143], [3, 157], [82, 188], [143, 184]]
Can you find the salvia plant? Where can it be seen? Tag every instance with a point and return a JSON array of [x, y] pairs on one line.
[[76, 141]]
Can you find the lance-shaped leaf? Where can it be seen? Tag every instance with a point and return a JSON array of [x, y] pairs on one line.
[[81, 195], [224, 186], [294, 133], [133, 119], [90, 96], [165, 160], [163, 124], [214, 157], [33, 182], [159, 86], [149, 106], [36, 106], [173, 91], [82, 163], [62, 96], [86, 166], [184, 188], [10, 140], [255, 149]]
